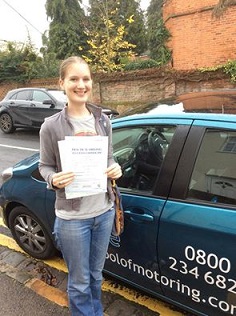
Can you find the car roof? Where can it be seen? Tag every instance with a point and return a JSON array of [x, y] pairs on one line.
[[188, 116], [13, 91], [32, 88]]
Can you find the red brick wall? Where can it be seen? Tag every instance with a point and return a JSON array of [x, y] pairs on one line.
[[124, 90], [199, 40]]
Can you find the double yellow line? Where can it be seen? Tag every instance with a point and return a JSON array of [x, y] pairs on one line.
[[153, 304]]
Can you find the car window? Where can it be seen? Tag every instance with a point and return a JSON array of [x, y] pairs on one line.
[[214, 175], [21, 95], [59, 95], [140, 151], [37, 175], [40, 96]]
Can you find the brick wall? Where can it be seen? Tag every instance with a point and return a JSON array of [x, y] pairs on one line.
[[42, 83], [122, 90], [198, 39]]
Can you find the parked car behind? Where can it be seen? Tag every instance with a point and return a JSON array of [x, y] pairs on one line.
[[179, 197], [28, 107]]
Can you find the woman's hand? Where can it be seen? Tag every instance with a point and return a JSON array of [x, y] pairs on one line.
[[62, 179], [114, 171]]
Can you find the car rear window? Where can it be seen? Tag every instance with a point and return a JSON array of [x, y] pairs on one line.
[[214, 175], [21, 95]]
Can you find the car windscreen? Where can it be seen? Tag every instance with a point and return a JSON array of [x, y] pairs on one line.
[[162, 106], [59, 95]]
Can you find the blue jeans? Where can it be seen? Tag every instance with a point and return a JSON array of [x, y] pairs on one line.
[[84, 244]]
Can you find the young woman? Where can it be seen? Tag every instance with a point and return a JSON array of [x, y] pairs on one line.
[[83, 225]]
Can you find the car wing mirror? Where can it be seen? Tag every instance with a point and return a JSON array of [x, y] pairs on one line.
[[50, 102]]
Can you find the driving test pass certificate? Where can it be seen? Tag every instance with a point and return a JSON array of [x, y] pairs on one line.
[[86, 156]]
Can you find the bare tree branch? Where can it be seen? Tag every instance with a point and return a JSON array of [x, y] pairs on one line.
[[221, 7]]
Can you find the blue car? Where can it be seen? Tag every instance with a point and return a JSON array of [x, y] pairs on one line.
[[179, 198]]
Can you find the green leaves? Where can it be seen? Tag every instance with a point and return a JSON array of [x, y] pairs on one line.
[[66, 34], [158, 35], [108, 48], [17, 62]]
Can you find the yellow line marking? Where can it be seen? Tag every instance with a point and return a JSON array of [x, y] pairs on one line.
[[108, 286], [1, 222], [9, 243], [57, 263], [51, 293]]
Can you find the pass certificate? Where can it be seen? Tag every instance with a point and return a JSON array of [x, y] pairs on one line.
[[86, 156]]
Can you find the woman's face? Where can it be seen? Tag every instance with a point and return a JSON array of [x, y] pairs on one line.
[[77, 83]]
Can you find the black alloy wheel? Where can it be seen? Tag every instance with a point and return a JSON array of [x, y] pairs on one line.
[[6, 123]]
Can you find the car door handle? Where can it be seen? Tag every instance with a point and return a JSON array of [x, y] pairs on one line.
[[224, 184], [137, 216], [32, 104]]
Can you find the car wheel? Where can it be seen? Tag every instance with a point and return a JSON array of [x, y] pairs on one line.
[[30, 234], [6, 123]]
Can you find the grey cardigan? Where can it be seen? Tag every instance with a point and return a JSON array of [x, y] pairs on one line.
[[55, 128]]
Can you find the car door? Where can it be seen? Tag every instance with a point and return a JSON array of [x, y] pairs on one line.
[[143, 148], [39, 109], [18, 107], [197, 234]]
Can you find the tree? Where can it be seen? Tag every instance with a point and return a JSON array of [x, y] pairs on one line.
[[108, 49], [48, 66], [18, 62], [135, 33], [157, 33], [66, 35], [121, 13]]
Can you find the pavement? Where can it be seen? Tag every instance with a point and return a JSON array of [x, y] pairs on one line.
[[50, 283]]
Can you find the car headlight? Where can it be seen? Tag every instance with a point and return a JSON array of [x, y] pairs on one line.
[[7, 174]]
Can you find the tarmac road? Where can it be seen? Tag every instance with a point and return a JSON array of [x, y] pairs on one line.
[[18, 300]]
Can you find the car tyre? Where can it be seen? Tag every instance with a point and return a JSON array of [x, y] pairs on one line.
[[30, 234], [6, 123]]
